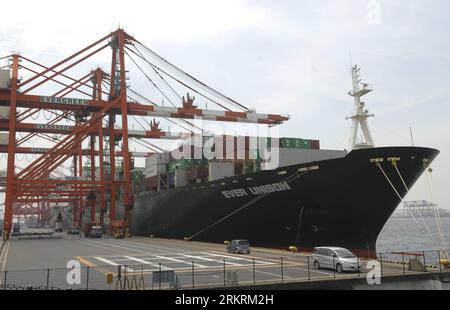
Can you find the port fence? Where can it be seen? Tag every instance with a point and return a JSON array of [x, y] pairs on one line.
[[289, 268]]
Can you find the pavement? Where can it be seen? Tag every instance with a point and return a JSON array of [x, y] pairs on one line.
[[142, 263]]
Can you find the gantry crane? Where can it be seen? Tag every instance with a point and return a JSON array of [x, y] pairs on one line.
[[91, 116]]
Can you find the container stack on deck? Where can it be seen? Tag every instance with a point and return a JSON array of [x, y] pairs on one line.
[[240, 156], [155, 171]]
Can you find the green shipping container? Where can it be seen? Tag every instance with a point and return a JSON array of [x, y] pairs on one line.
[[306, 144], [295, 143]]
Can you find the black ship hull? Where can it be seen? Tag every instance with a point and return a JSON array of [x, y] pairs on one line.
[[337, 202]]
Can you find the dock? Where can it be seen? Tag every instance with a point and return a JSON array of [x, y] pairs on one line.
[[144, 263]]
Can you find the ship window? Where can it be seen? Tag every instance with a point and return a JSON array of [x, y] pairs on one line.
[[213, 185], [249, 179], [282, 172], [223, 183], [304, 169], [235, 181]]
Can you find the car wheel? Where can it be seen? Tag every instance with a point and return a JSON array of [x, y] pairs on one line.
[[339, 268], [316, 265]]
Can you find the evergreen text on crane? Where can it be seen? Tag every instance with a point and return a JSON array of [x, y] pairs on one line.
[[72, 101]]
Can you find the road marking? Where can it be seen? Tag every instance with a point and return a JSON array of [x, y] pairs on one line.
[[311, 270], [257, 261], [146, 262], [145, 246], [273, 274], [109, 262], [118, 246], [211, 260], [178, 261]]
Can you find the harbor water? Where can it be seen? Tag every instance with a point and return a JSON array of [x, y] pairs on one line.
[[404, 234]]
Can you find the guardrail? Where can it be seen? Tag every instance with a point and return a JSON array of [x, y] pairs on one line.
[[241, 270]]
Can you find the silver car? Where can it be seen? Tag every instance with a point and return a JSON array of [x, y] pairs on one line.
[[239, 246], [339, 259]]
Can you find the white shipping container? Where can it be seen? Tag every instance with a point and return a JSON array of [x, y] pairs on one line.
[[157, 159], [290, 156], [181, 177], [4, 78], [4, 112], [155, 170], [219, 170], [4, 136]]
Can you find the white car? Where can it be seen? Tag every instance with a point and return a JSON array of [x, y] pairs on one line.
[[335, 258]]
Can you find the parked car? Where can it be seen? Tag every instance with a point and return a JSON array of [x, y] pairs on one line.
[[239, 247], [339, 259], [96, 232]]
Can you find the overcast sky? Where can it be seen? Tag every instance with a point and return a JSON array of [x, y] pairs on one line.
[[287, 57]]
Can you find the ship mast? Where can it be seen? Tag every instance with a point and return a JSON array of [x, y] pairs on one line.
[[361, 115]]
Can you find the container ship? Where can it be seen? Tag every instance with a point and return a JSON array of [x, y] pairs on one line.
[[310, 197]]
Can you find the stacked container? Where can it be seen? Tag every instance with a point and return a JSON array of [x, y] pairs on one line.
[[155, 169]]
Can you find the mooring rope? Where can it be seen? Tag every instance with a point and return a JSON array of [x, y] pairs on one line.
[[401, 199]]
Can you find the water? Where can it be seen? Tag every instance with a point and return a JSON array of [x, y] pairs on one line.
[[403, 234]]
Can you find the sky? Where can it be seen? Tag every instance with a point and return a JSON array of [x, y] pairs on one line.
[[286, 57]]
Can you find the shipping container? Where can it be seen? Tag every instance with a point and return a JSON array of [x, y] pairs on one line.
[[197, 173], [155, 170], [4, 78], [306, 144], [220, 169], [187, 163], [181, 177], [238, 168], [151, 183], [293, 156], [186, 152], [157, 159], [315, 144]]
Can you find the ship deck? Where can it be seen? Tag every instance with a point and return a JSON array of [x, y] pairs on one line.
[[42, 263]]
